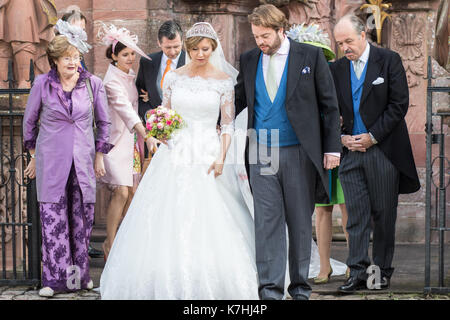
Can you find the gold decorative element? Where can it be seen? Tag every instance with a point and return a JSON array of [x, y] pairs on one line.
[[377, 7], [49, 8]]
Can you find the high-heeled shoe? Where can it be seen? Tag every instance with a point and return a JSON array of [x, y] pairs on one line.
[[319, 280]]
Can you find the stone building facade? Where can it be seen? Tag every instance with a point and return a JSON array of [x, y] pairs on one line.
[[415, 30]]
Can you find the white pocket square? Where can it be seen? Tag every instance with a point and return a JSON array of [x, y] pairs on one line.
[[306, 70], [379, 80]]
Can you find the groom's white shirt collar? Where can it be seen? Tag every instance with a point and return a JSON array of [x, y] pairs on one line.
[[279, 60], [285, 46], [164, 59]]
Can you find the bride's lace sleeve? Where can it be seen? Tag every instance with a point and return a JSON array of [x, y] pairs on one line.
[[227, 109], [169, 80]]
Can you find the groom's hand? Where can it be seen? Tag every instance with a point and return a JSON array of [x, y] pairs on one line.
[[330, 161]]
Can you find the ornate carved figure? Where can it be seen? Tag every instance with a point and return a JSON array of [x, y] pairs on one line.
[[26, 27], [408, 37]]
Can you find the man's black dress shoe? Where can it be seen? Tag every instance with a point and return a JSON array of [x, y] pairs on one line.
[[352, 284], [299, 297], [94, 253]]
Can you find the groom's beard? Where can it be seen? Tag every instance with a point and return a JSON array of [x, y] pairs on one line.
[[273, 47]]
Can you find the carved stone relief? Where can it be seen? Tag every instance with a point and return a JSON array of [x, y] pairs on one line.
[[408, 38]]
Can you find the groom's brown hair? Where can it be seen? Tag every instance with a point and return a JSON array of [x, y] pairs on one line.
[[268, 16]]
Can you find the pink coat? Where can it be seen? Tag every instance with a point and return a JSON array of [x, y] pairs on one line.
[[123, 111]]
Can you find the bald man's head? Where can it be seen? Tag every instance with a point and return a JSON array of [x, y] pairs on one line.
[[350, 36]]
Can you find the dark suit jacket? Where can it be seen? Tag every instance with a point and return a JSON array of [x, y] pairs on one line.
[[146, 79], [307, 97], [383, 108]]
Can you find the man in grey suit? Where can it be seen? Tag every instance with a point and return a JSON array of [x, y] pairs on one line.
[[291, 99], [377, 161]]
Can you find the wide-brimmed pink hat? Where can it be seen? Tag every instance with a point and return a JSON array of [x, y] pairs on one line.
[[110, 34]]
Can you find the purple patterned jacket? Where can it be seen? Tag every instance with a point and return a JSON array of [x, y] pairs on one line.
[[61, 137]]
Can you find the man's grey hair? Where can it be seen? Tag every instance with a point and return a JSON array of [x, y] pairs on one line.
[[357, 23]]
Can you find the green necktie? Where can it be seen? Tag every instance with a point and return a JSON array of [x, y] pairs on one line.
[[271, 79]]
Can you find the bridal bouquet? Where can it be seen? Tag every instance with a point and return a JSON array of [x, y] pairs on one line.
[[162, 122]]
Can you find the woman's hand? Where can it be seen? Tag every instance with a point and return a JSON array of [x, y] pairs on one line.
[[30, 171], [217, 166], [99, 165], [144, 95], [152, 144]]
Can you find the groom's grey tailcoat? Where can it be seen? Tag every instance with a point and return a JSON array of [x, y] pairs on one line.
[[308, 96], [288, 196]]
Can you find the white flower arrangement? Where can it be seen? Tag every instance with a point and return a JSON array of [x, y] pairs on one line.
[[312, 34]]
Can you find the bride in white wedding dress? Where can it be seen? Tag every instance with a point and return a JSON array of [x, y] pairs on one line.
[[188, 233]]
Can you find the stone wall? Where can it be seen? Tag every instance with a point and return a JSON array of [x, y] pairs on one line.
[[410, 32]]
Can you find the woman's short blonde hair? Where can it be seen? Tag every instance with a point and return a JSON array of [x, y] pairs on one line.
[[59, 47], [192, 42], [268, 16]]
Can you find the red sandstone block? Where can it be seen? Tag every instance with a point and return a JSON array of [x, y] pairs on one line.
[[106, 15], [158, 4], [102, 4], [131, 5], [119, 4], [61, 5]]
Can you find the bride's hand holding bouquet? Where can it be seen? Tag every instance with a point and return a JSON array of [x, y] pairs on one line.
[[161, 124]]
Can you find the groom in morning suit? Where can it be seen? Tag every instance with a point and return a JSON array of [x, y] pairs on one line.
[[289, 90], [377, 162]]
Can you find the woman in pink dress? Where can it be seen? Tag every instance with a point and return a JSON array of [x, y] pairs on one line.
[[123, 164]]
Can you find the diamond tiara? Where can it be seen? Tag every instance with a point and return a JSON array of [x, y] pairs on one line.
[[202, 29]]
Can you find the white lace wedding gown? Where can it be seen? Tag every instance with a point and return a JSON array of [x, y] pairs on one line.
[[187, 235]]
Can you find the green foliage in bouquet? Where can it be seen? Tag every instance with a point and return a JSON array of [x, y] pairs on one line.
[[162, 122]]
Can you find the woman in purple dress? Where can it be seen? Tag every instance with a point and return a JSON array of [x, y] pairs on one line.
[[66, 158]]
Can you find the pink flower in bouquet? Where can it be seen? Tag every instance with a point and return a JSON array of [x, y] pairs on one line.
[[162, 122]]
